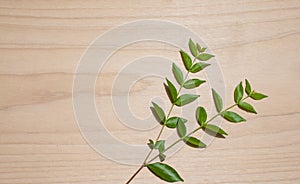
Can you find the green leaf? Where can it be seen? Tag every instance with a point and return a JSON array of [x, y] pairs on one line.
[[257, 96], [203, 49], [201, 116], [248, 87], [151, 144], [164, 172], [198, 67], [173, 121], [160, 146], [198, 47], [172, 91], [246, 107], [193, 83], [238, 93], [218, 100], [232, 117], [181, 129], [194, 142], [204, 56], [162, 157], [214, 129], [193, 48], [186, 99], [177, 74], [187, 61], [158, 113]]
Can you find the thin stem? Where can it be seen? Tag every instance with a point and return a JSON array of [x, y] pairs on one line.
[[195, 130], [131, 178], [161, 130]]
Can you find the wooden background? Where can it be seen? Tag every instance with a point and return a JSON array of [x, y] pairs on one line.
[[41, 43]]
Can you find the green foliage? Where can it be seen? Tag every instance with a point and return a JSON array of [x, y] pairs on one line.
[[210, 128], [248, 87], [162, 157], [181, 129], [160, 145], [238, 93], [204, 57], [173, 121], [201, 116], [186, 99], [246, 107], [257, 96], [193, 48], [253, 94], [203, 49], [193, 83], [171, 91], [199, 47], [164, 172], [158, 113], [194, 142], [177, 74], [186, 59], [232, 117], [151, 144], [197, 67], [218, 101]]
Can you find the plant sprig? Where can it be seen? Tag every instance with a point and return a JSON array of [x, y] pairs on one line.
[[162, 170]]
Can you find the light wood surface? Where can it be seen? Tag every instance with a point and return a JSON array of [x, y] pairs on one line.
[[41, 44]]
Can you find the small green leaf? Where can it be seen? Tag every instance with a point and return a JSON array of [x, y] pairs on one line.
[[162, 157], [246, 107], [201, 116], [238, 93], [187, 61], [257, 96], [204, 56], [193, 83], [150, 144], [218, 100], [194, 142], [177, 74], [172, 90], [186, 99], [173, 121], [158, 113], [232, 117], [181, 129], [203, 49], [248, 87], [198, 67], [198, 47], [193, 48], [160, 146], [214, 129], [164, 172]]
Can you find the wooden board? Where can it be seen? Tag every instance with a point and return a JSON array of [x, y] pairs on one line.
[[41, 44]]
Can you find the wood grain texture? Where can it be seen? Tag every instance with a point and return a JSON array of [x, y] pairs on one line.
[[41, 43]]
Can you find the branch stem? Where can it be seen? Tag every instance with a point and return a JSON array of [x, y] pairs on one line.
[[133, 176]]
